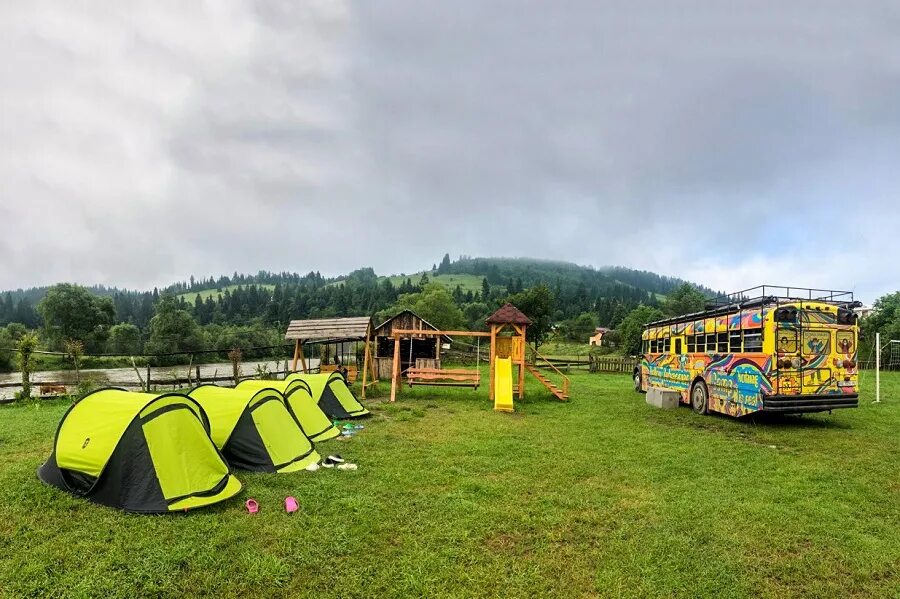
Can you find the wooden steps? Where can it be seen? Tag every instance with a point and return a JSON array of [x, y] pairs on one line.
[[546, 382]]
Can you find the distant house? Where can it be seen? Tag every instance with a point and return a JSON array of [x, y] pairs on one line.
[[863, 311], [597, 338]]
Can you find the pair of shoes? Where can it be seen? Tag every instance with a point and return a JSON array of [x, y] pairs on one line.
[[313, 467], [336, 461], [290, 505], [332, 461]]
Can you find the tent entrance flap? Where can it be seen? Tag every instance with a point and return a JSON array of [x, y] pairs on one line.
[[186, 463], [282, 437]]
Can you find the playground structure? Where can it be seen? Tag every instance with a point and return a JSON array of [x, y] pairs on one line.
[[507, 349]]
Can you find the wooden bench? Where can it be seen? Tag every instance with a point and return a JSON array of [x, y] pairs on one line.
[[351, 371], [443, 377]]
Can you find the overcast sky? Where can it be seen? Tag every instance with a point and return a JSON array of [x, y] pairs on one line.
[[729, 143]]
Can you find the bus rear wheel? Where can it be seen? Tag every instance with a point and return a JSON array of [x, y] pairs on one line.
[[700, 397]]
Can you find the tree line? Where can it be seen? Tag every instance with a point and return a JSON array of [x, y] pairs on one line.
[[253, 310]]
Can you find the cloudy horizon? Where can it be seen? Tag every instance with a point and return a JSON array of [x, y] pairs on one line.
[[717, 142]]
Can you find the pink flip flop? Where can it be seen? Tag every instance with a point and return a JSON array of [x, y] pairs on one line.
[[291, 505], [252, 506]]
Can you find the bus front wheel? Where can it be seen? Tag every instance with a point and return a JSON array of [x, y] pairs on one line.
[[700, 397]]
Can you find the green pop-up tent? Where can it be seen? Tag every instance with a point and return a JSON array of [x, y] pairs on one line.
[[297, 396], [140, 452], [254, 429], [331, 394]]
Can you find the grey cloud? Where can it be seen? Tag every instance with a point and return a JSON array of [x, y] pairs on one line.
[[156, 139]]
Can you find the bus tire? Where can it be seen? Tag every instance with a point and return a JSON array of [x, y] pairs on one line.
[[700, 397], [637, 381]]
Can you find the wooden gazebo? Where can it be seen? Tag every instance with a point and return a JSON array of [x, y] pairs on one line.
[[333, 330]]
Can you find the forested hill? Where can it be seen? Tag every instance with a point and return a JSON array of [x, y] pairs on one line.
[[476, 284]]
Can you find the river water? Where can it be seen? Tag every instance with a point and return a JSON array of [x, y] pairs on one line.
[[162, 376]]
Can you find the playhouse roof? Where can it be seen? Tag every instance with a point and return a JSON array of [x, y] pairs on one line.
[[406, 319], [508, 314]]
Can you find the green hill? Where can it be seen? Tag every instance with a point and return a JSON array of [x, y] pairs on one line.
[[467, 282], [190, 296]]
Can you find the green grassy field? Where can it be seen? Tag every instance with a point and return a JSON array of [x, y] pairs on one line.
[[191, 296], [602, 496], [467, 282]]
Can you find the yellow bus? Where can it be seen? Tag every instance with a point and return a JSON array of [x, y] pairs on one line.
[[767, 349]]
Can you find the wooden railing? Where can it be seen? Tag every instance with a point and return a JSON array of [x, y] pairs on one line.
[[593, 363], [539, 361]]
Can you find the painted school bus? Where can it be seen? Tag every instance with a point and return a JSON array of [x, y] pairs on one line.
[[772, 353]]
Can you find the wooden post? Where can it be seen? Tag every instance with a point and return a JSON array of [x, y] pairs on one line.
[[148, 378], [365, 367], [521, 361], [395, 369], [198, 375], [372, 362], [493, 354], [296, 355], [302, 356]]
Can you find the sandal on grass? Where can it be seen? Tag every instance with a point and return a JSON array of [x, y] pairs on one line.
[[291, 505], [252, 506]]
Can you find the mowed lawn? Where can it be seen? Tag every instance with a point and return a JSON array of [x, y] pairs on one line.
[[603, 496]]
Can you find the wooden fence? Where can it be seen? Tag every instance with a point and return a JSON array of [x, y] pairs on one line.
[[156, 384], [593, 363]]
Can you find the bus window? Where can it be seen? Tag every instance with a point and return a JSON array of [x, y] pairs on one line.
[[786, 314], [734, 342], [678, 347], [845, 342], [787, 341], [723, 343], [691, 344], [665, 346], [816, 342], [753, 340], [710, 342]]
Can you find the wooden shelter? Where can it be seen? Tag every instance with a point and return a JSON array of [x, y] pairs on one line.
[[334, 330], [419, 350]]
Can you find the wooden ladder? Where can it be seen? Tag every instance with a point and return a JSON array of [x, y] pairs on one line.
[[561, 393]]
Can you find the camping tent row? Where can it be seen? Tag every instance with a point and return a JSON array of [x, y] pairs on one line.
[[150, 453]]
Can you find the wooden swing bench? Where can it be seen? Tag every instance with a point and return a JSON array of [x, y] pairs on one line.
[[352, 371], [443, 377]]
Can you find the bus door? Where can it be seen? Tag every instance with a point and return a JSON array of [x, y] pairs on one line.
[[815, 345], [788, 357]]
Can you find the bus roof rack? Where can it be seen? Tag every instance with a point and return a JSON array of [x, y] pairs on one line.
[[765, 294]]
